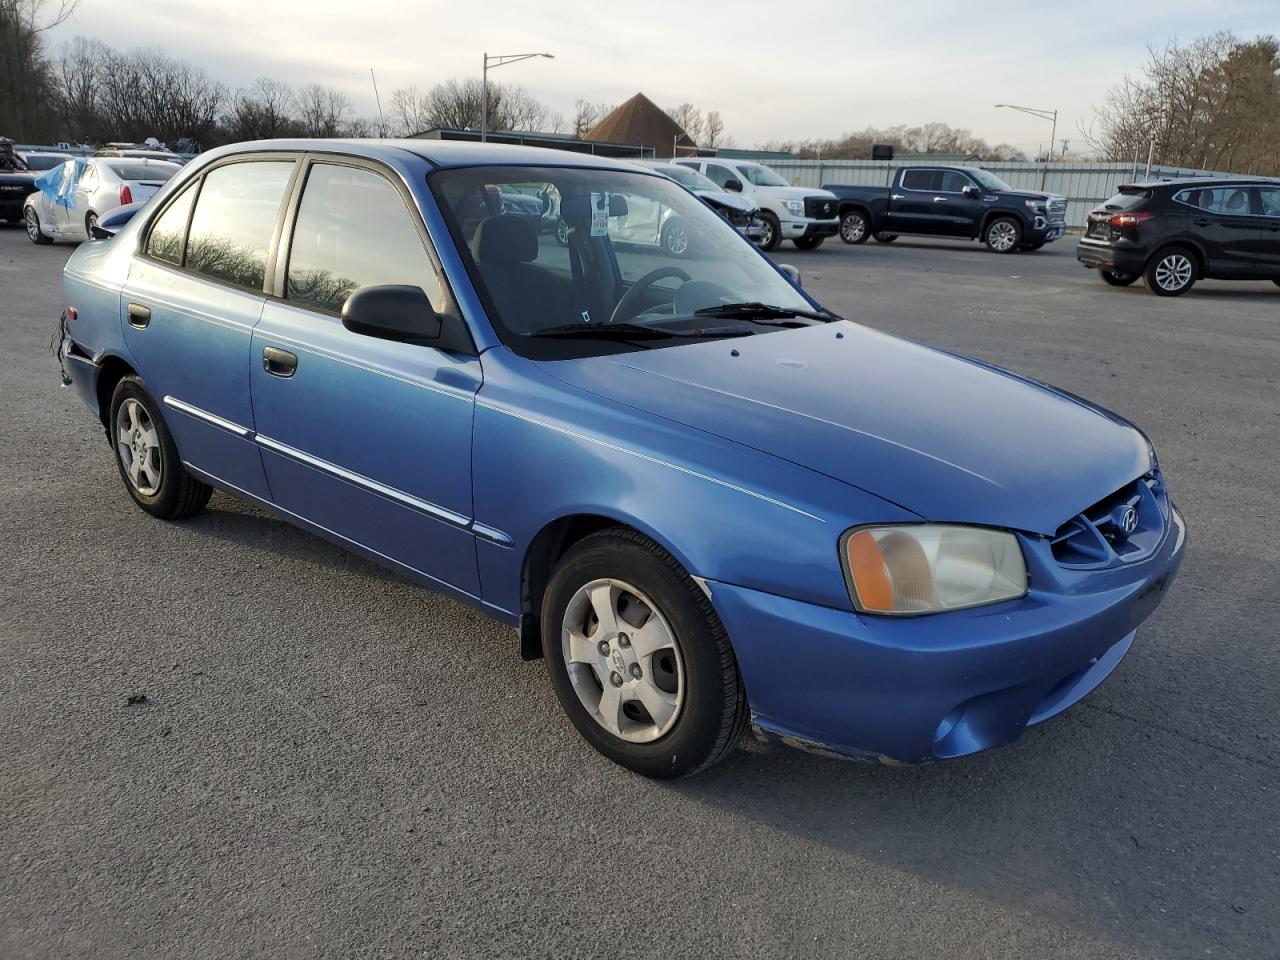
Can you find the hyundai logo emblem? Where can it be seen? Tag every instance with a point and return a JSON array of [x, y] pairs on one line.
[[1129, 522]]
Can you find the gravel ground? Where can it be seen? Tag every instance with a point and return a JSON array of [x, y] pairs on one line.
[[330, 762]]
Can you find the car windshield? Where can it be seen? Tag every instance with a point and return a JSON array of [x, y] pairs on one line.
[[45, 162], [619, 248], [988, 180], [689, 178], [143, 171], [762, 176]]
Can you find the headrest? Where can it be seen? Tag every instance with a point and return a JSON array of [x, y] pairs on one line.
[[504, 239]]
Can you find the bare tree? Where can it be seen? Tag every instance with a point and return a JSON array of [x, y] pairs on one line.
[[712, 130], [689, 119], [322, 111], [584, 117], [75, 74], [260, 112], [410, 111], [931, 137], [26, 83]]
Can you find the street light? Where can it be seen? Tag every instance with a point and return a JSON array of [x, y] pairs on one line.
[[1053, 137], [497, 61]]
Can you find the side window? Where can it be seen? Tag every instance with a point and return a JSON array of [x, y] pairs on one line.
[[1270, 197], [89, 177], [1225, 200], [720, 175], [354, 230], [165, 241], [234, 219], [921, 179], [953, 181]]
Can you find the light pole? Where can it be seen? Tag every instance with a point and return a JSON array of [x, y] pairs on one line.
[[497, 61], [1053, 137]]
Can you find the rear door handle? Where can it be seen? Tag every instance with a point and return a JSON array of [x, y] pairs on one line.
[[939, 199], [139, 316], [1202, 222], [279, 363], [896, 196]]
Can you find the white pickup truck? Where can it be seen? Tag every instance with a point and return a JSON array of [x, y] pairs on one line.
[[802, 215]]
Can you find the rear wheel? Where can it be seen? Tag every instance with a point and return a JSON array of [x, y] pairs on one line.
[[90, 221], [808, 243], [562, 233], [1171, 272], [1003, 234], [886, 237], [675, 237], [854, 227], [638, 658], [1117, 279], [33, 226], [148, 458], [771, 231]]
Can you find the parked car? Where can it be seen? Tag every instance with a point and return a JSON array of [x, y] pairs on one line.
[[1175, 232], [38, 162], [70, 198], [802, 215], [700, 496], [738, 209], [16, 181], [966, 202], [109, 224], [141, 153]]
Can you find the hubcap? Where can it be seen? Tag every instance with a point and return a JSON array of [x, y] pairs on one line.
[[1174, 272], [138, 446], [1003, 236], [623, 660], [853, 227], [677, 240], [766, 235], [33, 225]]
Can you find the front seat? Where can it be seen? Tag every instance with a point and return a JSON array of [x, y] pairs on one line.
[[527, 297]]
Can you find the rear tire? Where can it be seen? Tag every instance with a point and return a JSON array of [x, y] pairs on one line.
[[680, 660], [90, 221], [147, 457], [1118, 279], [855, 227], [772, 231], [808, 243], [1002, 235], [34, 232], [1171, 272], [675, 237]]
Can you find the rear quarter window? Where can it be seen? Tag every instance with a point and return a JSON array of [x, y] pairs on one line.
[[1127, 198]]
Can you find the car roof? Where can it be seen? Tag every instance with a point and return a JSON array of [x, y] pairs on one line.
[[439, 153], [1200, 182]]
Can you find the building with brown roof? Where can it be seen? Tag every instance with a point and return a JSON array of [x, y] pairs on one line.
[[642, 123]]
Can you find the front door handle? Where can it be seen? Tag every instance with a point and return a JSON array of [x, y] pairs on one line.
[[896, 196], [1202, 222], [939, 199], [279, 363], [139, 316]]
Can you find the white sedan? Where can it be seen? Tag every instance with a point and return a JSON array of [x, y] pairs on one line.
[[79, 191]]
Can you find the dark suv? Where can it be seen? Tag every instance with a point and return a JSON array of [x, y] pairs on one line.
[[1176, 232]]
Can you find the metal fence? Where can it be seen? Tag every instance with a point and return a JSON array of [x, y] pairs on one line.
[[1085, 185]]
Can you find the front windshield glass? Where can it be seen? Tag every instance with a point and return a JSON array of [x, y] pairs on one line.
[[604, 247], [762, 176], [988, 180], [691, 179]]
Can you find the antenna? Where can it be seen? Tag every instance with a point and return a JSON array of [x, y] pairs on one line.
[[382, 124]]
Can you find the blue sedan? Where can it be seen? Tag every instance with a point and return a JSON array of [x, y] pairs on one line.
[[706, 501]]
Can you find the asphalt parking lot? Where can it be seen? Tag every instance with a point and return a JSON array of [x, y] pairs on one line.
[[330, 762]]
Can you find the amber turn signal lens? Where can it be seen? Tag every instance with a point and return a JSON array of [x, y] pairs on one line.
[[869, 572]]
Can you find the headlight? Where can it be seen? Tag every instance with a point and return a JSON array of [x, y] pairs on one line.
[[1037, 206], [795, 206], [931, 567]]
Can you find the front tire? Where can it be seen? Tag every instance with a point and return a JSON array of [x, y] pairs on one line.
[[1171, 272], [147, 457], [638, 658], [855, 227], [1002, 235], [90, 221], [808, 243], [772, 231], [675, 237], [34, 233], [562, 233], [1117, 279]]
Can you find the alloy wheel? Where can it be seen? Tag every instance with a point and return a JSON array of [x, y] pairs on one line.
[[1174, 272], [1002, 236], [677, 240], [623, 660], [33, 225], [853, 227], [138, 446], [766, 234]]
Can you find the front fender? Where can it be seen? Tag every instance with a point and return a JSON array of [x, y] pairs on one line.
[[544, 450]]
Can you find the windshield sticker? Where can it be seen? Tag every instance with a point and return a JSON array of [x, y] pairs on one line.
[[599, 214]]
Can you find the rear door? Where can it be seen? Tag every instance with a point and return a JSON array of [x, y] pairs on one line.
[[367, 438], [1225, 225], [912, 204], [194, 293], [1269, 240]]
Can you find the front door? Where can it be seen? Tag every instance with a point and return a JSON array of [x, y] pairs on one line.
[[960, 214], [190, 305], [369, 439]]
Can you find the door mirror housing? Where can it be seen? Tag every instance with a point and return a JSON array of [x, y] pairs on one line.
[[733, 186], [397, 312], [972, 192], [792, 273]]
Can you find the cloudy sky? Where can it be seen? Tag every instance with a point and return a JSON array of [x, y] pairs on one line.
[[776, 70]]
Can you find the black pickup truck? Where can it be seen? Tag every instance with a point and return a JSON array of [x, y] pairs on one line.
[[951, 202], [16, 182]]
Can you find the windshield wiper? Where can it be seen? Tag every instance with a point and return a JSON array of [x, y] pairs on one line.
[[634, 331], [758, 312]]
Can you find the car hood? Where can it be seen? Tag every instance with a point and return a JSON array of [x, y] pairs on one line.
[[948, 438], [733, 201], [798, 193], [1025, 195]]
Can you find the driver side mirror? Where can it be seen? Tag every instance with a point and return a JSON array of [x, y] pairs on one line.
[[396, 312], [792, 273], [733, 186], [972, 192]]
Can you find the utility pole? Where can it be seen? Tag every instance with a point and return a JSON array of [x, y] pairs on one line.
[[498, 60]]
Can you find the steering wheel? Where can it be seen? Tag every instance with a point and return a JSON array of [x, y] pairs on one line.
[[626, 306]]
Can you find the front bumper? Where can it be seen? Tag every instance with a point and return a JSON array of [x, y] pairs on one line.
[[805, 229], [925, 688], [1044, 230]]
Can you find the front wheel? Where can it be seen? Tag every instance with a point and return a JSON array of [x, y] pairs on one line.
[[1171, 273], [808, 243], [90, 221], [34, 232], [638, 658], [770, 231], [675, 237], [148, 458], [1117, 279], [562, 233], [1003, 234], [854, 227]]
